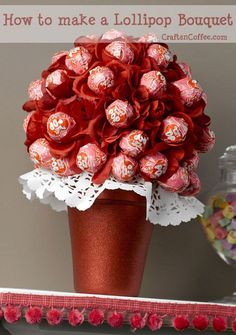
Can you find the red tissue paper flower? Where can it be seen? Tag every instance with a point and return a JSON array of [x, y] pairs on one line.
[[12, 314], [33, 315], [120, 106]]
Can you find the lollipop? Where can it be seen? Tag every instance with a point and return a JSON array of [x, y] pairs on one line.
[[113, 34], [161, 54], [58, 83], [27, 120], [185, 69], [78, 60], [134, 143], [100, 79], [58, 55], [207, 140], [124, 167], [174, 130], [119, 113], [154, 165], [192, 162], [121, 50], [190, 90], [90, 158], [149, 38], [154, 82], [61, 167], [59, 126], [40, 153], [194, 185], [178, 182], [35, 89]]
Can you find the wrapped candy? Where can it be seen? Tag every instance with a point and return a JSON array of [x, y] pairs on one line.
[[58, 55], [121, 50], [190, 90], [27, 120], [40, 154], [161, 54], [61, 167], [59, 126], [207, 141], [178, 182], [174, 130], [185, 69], [58, 83], [100, 79], [149, 38], [113, 34], [192, 162], [134, 143], [155, 83], [90, 158], [154, 165], [119, 113], [78, 60], [194, 186], [124, 167], [35, 90]]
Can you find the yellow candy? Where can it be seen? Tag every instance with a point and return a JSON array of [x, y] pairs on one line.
[[204, 221], [231, 238], [210, 234], [228, 212], [223, 204]]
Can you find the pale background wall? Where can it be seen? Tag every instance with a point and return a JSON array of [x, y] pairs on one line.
[[34, 240]]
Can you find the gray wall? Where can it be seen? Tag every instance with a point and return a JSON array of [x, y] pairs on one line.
[[34, 240]]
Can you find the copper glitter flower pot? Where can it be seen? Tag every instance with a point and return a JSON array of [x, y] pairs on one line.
[[110, 244]]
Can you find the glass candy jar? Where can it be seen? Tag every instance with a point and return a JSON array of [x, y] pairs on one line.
[[219, 218]]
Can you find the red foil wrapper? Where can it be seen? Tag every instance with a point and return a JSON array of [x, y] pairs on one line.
[[61, 167], [59, 125], [178, 182], [58, 84], [185, 69], [121, 50], [113, 34], [119, 113], [78, 60], [90, 158], [35, 90], [174, 130], [192, 162], [134, 143], [190, 90], [161, 54], [58, 55], [27, 120], [124, 167], [155, 83], [194, 186], [207, 140], [149, 38], [100, 79], [154, 165], [40, 153]]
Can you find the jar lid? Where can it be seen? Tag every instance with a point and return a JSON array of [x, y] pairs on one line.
[[228, 159]]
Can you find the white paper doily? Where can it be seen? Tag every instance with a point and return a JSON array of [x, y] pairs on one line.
[[163, 208]]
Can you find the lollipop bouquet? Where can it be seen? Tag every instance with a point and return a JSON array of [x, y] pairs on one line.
[[116, 113]]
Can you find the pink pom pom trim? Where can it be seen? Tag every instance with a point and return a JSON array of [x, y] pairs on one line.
[[219, 324], [12, 314], [75, 317], [96, 317], [137, 321], [154, 322], [234, 325], [33, 315], [54, 317], [180, 322], [200, 322], [115, 319]]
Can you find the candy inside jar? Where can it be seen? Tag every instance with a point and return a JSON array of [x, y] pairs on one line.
[[219, 218]]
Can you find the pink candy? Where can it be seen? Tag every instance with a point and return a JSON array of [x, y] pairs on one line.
[[121, 50], [154, 82], [59, 126], [174, 130], [194, 185], [113, 34], [119, 113], [207, 140], [100, 79], [186, 69], [58, 83], [134, 143], [124, 167], [192, 162], [58, 55], [35, 89], [40, 153], [153, 165], [78, 60], [149, 38], [90, 158], [161, 54], [61, 167], [178, 182], [27, 120], [190, 90]]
